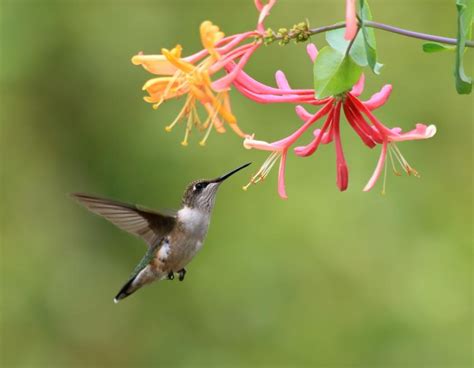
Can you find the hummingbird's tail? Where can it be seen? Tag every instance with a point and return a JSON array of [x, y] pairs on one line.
[[132, 285], [128, 289], [140, 277]]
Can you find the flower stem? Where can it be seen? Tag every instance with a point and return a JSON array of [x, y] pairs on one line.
[[421, 36], [352, 42], [384, 27]]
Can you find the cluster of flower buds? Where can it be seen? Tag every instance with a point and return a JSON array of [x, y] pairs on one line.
[[191, 77]]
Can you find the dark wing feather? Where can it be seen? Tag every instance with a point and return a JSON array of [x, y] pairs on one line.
[[147, 224]]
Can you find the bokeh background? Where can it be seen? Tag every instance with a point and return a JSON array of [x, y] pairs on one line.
[[324, 279]]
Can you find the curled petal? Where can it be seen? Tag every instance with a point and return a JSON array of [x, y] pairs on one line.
[[312, 51], [326, 138], [281, 80], [156, 64], [378, 169], [420, 132], [250, 143], [378, 99], [359, 86], [351, 20], [302, 113], [210, 35], [174, 57]]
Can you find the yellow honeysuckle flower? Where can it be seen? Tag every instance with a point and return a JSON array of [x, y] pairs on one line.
[[190, 76]]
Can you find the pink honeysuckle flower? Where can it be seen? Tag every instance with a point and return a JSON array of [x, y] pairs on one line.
[[279, 149], [191, 76], [351, 20], [358, 114], [283, 93], [420, 132], [389, 138]]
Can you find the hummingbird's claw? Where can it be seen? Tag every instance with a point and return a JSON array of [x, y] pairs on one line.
[[181, 274], [171, 275]]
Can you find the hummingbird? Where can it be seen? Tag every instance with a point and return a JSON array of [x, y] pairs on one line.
[[173, 239]]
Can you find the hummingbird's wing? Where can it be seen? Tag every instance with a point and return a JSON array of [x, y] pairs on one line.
[[145, 223]]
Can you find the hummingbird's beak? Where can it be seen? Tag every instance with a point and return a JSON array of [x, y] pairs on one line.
[[224, 177]]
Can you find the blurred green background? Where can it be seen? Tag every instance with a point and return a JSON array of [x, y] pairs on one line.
[[324, 279]]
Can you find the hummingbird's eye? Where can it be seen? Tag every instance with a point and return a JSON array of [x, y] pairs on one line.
[[199, 186]]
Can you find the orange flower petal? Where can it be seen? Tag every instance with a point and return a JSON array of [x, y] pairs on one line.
[[155, 64], [174, 58]]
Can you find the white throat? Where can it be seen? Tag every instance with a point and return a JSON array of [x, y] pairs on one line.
[[194, 221]]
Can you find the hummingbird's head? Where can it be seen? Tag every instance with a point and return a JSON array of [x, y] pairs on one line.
[[201, 194]]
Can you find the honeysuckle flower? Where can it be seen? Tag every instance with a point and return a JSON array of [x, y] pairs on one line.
[[191, 76], [279, 150], [389, 138], [351, 20], [358, 114], [371, 131], [283, 93]]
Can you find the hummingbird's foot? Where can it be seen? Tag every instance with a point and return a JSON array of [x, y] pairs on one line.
[[171, 275], [181, 274]]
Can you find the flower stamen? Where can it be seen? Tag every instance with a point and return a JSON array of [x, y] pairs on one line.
[[184, 111], [173, 80], [264, 170], [395, 171], [202, 142], [209, 123], [403, 162], [189, 126]]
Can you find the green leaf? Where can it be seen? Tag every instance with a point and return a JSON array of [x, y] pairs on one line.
[[369, 37], [337, 41], [377, 68], [334, 73], [465, 12], [430, 47]]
